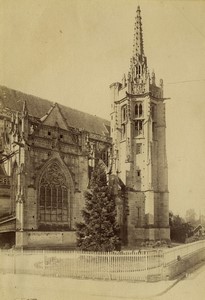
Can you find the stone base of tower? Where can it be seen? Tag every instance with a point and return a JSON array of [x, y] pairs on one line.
[[138, 235]]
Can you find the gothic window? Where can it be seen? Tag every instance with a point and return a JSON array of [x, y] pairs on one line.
[[138, 110], [138, 127], [123, 131], [104, 157], [139, 148], [124, 113], [138, 212], [53, 196]]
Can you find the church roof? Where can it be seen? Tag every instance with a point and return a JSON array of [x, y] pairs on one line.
[[38, 108]]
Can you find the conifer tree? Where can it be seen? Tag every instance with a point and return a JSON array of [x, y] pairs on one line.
[[99, 231]]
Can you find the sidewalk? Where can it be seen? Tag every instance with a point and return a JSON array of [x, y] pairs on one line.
[[35, 287]]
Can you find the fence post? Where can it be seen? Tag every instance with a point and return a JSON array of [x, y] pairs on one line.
[[163, 265], [14, 260], [43, 262], [108, 261], [146, 265]]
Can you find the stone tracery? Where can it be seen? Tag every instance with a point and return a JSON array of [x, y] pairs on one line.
[[53, 196]]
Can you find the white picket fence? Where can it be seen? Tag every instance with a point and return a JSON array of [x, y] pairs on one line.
[[125, 265]]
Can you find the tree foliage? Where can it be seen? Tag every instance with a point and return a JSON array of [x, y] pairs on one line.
[[99, 231], [179, 229]]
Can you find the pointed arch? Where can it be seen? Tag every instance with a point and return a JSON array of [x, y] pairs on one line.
[[55, 195], [140, 110], [136, 109]]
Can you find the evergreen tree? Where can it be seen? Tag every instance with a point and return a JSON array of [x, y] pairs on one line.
[[99, 231]]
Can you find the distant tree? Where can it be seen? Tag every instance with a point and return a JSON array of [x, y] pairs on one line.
[[99, 231]]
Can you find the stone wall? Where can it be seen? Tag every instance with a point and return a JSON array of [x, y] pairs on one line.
[[135, 220], [45, 239], [182, 265]]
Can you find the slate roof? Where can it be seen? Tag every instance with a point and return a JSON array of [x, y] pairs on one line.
[[38, 108]]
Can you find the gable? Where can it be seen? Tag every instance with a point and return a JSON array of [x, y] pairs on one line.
[[54, 118]]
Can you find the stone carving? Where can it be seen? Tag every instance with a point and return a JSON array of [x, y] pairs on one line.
[[53, 175]]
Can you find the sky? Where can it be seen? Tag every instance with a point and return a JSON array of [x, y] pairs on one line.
[[70, 51]]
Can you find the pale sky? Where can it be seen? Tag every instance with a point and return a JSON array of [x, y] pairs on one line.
[[70, 51]]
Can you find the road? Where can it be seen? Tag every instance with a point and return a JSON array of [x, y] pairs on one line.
[[31, 287], [191, 288]]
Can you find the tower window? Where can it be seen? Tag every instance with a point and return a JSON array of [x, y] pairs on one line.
[[138, 148], [138, 173], [138, 127], [124, 113], [123, 131], [138, 212], [138, 110]]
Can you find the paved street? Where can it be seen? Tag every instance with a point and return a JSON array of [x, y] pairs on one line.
[[30, 287], [191, 288]]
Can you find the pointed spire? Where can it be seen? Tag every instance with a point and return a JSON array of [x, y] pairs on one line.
[[138, 48]]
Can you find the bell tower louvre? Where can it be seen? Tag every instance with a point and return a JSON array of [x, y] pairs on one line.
[[138, 131]]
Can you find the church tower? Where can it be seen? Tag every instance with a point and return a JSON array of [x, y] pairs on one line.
[[138, 130]]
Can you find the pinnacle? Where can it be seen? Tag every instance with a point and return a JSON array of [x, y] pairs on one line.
[[138, 36]]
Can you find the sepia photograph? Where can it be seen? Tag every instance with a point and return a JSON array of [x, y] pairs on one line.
[[102, 119]]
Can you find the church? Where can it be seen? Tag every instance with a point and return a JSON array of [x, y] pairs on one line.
[[48, 152]]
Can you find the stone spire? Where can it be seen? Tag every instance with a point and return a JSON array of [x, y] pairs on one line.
[[138, 48], [138, 75]]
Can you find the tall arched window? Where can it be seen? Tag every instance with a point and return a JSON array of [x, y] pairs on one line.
[[54, 196], [138, 110]]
